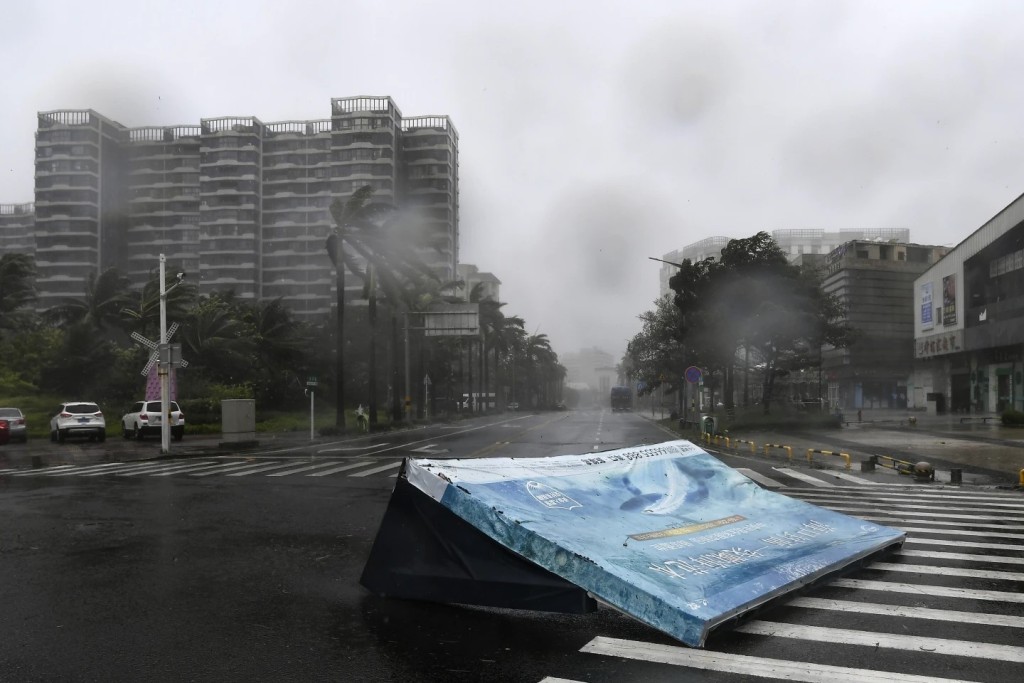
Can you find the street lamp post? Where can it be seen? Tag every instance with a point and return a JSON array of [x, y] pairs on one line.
[[164, 365]]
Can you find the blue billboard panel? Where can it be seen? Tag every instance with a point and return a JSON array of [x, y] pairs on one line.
[[666, 532]]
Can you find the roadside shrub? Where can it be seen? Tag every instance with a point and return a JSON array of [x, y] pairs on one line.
[[1013, 418]]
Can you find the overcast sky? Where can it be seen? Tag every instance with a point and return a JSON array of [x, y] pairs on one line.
[[593, 134]]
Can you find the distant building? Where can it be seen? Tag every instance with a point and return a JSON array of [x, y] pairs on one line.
[[238, 204], [489, 285], [593, 368], [17, 229], [794, 243], [875, 283]]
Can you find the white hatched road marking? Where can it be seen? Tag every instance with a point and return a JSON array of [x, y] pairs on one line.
[[856, 480], [968, 557], [306, 468], [964, 519], [222, 469], [814, 481], [342, 468], [170, 467], [746, 665], [889, 496], [923, 589], [197, 468], [44, 471], [911, 540], [549, 679], [922, 491], [88, 468], [123, 467], [257, 468], [375, 470], [897, 506], [908, 612], [943, 532], [892, 641], [947, 571], [759, 478]]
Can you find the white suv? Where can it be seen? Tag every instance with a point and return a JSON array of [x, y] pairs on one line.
[[144, 418], [78, 418]]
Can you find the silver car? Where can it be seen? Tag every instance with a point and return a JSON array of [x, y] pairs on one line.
[[78, 418], [15, 423]]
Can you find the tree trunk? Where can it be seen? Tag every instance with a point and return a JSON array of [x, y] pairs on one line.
[[396, 391], [339, 354], [372, 314]]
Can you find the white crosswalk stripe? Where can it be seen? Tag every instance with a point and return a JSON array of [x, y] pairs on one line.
[[958, 576], [813, 481], [375, 470], [759, 478]]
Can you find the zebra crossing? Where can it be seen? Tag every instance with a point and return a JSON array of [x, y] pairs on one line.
[[226, 467], [948, 607], [772, 478]]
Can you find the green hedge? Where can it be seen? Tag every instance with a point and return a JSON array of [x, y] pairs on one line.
[[1013, 418]]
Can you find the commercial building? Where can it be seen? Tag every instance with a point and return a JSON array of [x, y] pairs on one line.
[[874, 281], [487, 285], [969, 322], [794, 242], [238, 204]]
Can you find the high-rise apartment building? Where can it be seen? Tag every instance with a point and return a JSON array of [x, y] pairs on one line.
[[17, 228], [239, 204]]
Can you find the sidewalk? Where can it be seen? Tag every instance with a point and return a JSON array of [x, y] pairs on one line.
[[986, 451]]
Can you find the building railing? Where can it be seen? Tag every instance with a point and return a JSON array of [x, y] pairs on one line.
[[236, 124], [351, 105], [25, 209], [299, 127], [163, 133]]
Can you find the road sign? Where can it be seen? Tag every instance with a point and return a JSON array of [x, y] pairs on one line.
[[693, 374], [311, 382], [426, 380]]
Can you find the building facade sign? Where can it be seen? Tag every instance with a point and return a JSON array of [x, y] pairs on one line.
[[927, 311], [939, 344], [949, 300]]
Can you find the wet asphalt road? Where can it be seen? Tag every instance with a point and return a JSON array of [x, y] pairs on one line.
[[186, 577]]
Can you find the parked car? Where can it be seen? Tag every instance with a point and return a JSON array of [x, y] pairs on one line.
[[144, 418], [78, 418], [16, 426]]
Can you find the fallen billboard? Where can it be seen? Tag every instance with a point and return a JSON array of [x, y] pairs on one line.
[[665, 533]]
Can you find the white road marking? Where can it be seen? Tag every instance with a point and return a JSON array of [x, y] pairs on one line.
[[968, 557], [898, 506], [198, 467], [954, 616], [966, 519], [923, 589], [899, 497], [913, 540], [856, 480], [305, 468], [746, 665], [260, 468], [350, 466], [759, 478], [123, 467], [890, 641], [43, 471], [946, 532], [223, 469], [804, 477], [87, 468], [925, 492], [375, 470], [947, 571], [346, 449], [174, 467]]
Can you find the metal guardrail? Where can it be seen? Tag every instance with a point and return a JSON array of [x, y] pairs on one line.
[[844, 456], [788, 449]]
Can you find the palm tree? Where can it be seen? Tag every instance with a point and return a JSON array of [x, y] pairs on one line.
[[16, 289], [100, 307], [376, 243], [214, 339], [141, 312]]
